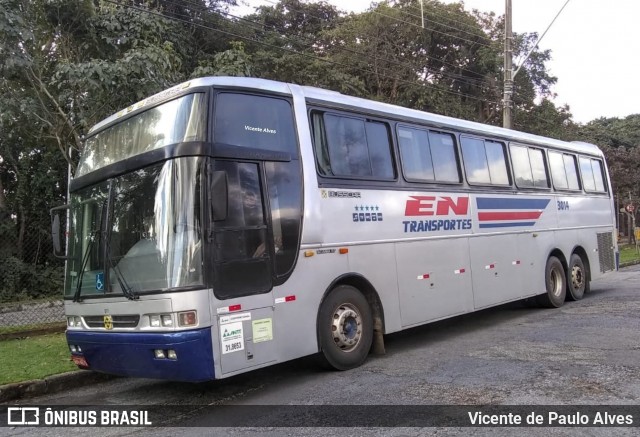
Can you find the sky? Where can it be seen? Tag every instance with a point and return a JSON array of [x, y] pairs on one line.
[[595, 48]]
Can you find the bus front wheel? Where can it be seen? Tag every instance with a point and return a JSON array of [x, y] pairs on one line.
[[555, 281], [577, 280], [345, 326]]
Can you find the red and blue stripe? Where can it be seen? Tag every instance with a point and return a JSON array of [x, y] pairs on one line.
[[501, 212]]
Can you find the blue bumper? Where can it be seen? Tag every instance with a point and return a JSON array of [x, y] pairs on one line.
[[132, 354]]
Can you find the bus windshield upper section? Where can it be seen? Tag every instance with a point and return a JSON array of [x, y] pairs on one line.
[[176, 121], [143, 229]]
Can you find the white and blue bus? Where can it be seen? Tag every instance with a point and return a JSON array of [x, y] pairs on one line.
[[228, 224]]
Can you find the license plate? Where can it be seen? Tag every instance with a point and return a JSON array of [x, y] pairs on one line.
[[79, 361]]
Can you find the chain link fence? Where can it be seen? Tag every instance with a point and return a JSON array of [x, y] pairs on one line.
[[31, 278]]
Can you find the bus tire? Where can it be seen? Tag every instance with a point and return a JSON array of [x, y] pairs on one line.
[[555, 283], [577, 278], [345, 328]]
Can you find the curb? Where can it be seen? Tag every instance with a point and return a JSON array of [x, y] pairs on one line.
[[51, 384], [33, 332], [629, 264]]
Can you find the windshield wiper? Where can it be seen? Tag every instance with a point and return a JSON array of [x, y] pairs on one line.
[[94, 235], [127, 290]]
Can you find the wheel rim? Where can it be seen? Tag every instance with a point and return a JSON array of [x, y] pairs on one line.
[[346, 327], [556, 282], [577, 277]]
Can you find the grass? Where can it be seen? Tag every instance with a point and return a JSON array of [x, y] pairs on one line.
[[628, 253], [34, 358]]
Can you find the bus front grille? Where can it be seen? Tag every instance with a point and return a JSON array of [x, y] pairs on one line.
[[128, 321]]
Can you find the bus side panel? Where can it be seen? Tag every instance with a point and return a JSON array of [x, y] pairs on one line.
[[532, 249], [367, 260], [593, 216], [434, 279], [495, 274], [298, 300]]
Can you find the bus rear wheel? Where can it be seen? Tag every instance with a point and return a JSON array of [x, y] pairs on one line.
[[555, 281], [577, 278], [345, 328]]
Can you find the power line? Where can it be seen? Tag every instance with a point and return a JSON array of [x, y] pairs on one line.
[[310, 45], [414, 84], [439, 15], [432, 30], [480, 82]]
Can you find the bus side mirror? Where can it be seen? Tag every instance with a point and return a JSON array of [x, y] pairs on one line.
[[57, 232], [219, 194]]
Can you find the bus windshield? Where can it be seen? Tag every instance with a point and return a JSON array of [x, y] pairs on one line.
[[136, 231]]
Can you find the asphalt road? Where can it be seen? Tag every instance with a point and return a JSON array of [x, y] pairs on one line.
[[586, 352]]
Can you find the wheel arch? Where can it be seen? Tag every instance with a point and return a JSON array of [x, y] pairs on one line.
[[370, 293], [558, 254]]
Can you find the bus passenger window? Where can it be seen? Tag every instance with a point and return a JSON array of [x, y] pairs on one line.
[[529, 170], [521, 166], [538, 169], [416, 154], [485, 161], [572, 172], [587, 174], [475, 161], [443, 152], [592, 178], [557, 171], [351, 147], [379, 150], [598, 175], [564, 171]]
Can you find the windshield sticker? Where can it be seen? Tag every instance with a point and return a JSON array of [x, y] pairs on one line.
[[264, 130], [372, 213], [100, 281], [231, 337], [262, 330]]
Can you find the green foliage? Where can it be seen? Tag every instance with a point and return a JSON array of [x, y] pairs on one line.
[[22, 281], [232, 62], [620, 141]]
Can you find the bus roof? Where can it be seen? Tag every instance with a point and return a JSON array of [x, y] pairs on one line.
[[319, 95]]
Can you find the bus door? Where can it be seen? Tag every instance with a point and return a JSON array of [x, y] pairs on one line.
[[242, 264], [255, 198], [255, 240]]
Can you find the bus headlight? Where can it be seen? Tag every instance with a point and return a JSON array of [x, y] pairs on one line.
[[185, 319], [154, 320], [74, 322]]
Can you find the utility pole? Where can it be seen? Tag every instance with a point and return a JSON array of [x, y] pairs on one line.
[[508, 67], [509, 74]]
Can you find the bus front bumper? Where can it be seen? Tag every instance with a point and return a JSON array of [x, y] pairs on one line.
[[134, 354]]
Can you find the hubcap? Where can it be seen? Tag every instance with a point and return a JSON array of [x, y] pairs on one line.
[[555, 280], [577, 278], [346, 327]]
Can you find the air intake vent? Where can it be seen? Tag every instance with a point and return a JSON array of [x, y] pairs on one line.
[[129, 321], [605, 252]]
